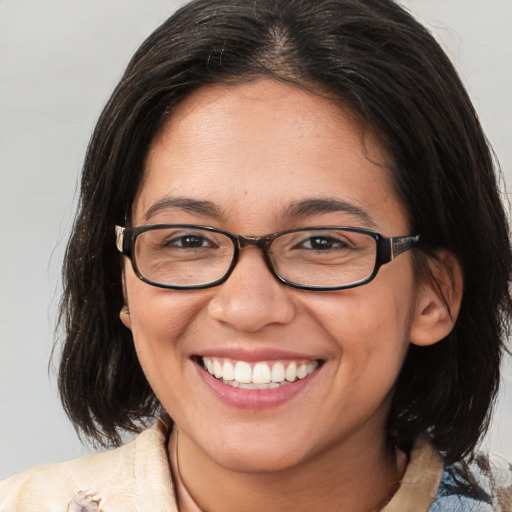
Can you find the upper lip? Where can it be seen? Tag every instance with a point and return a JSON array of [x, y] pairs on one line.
[[253, 355]]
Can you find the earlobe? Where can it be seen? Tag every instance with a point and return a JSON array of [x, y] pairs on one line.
[[439, 300], [124, 315]]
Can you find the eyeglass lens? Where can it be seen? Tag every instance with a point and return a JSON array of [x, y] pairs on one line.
[[192, 256]]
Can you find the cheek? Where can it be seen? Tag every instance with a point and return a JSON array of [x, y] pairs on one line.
[[163, 320], [368, 325], [158, 319]]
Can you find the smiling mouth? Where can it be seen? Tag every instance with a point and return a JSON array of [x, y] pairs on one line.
[[257, 375]]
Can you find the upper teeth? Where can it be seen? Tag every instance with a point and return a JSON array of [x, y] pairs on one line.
[[260, 373]]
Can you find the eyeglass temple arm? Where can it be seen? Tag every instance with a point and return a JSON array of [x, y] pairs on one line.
[[400, 244], [120, 238]]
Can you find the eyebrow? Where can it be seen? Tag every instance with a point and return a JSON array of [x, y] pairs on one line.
[[318, 206], [303, 208], [190, 205]]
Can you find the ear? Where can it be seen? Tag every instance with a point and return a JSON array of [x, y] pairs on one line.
[[439, 299], [124, 314]]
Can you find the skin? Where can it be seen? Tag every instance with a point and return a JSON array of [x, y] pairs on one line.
[[253, 150]]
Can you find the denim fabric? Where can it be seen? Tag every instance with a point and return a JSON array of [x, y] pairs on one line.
[[479, 493]]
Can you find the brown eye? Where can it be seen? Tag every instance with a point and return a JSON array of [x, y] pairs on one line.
[[323, 243], [189, 242]]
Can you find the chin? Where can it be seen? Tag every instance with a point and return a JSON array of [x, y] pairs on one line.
[[264, 461], [255, 451]]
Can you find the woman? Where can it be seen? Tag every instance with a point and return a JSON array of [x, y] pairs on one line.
[[311, 273]]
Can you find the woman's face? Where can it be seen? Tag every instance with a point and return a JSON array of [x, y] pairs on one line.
[[249, 159]]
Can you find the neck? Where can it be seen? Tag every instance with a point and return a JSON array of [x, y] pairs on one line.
[[344, 478]]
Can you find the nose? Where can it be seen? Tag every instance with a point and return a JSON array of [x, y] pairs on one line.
[[252, 297]]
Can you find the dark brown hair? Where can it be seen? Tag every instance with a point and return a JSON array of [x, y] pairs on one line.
[[375, 59]]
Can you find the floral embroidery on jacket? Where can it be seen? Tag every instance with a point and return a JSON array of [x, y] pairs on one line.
[[84, 502]]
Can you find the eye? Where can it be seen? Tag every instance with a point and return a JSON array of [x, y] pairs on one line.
[[188, 241], [324, 243]]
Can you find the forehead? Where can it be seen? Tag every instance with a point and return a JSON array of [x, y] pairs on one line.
[[261, 109], [263, 144]]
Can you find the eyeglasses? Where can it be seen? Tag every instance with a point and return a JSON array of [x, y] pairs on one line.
[[186, 256]]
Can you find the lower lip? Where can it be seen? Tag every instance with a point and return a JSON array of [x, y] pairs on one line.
[[254, 398]]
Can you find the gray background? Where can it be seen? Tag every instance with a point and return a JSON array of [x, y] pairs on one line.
[[59, 60]]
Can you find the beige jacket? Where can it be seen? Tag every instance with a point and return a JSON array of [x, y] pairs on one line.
[[136, 478]]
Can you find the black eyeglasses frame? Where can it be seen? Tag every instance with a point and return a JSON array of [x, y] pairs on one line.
[[388, 248]]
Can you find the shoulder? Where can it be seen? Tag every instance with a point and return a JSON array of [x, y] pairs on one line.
[[133, 477], [483, 485], [55, 486]]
